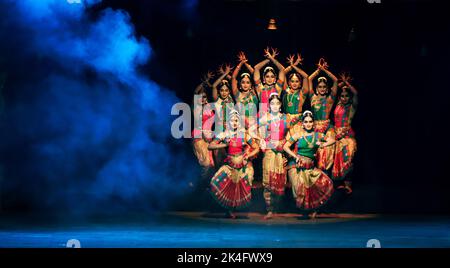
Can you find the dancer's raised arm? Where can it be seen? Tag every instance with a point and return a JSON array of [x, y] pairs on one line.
[[346, 79], [224, 71], [205, 83], [271, 56], [234, 82], [324, 67], [305, 84], [243, 58], [257, 74], [310, 81]]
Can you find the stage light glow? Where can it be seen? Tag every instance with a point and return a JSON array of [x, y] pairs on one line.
[[272, 24]]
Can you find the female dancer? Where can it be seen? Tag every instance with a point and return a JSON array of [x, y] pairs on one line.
[[293, 100], [311, 187], [223, 103], [270, 84], [345, 136], [297, 89], [202, 132], [231, 185], [223, 100], [245, 94], [321, 105], [275, 126]]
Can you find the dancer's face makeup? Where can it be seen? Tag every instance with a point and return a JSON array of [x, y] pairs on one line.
[[294, 82], [224, 92], [269, 78], [322, 88], [275, 105], [308, 123], [203, 100], [345, 97], [234, 122], [245, 83]]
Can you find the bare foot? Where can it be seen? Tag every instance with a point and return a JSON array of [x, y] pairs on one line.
[[268, 216], [348, 189], [313, 215]]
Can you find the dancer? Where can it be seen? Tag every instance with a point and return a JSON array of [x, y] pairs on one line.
[[321, 104], [298, 87], [222, 105], [244, 93], [223, 100], [231, 185], [311, 187], [270, 83], [294, 98], [345, 136], [202, 132], [275, 126]]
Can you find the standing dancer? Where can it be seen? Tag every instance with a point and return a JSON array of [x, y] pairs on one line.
[[275, 125], [321, 104], [223, 103], [270, 83], [231, 185], [311, 187], [345, 136], [298, 87], [244, 93], [293, 100]]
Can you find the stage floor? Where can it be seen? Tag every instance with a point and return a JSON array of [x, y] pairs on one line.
[[199, 229]]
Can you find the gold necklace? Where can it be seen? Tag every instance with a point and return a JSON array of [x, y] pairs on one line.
[[290, 103], [310, 144], [277, 121], [248, 98]]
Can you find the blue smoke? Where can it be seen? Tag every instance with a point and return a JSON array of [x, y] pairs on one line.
[[85, 129]]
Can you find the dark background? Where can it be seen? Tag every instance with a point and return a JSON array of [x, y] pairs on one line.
[[398, 56]]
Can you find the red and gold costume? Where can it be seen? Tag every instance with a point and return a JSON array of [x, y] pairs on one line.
[[232, 183], [265, 92], [202, 136], [274, 161], [293, 105], [345, 140], [221, 109], [321, 107]]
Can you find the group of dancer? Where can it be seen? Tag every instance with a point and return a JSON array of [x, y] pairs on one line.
[[249, 115]]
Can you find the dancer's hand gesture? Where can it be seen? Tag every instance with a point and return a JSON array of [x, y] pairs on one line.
[[207, 77], [299, 59], [345, 78], [242, 57], [274, 52], [322, 65], [224, 69], [290, 60], [267, 53]]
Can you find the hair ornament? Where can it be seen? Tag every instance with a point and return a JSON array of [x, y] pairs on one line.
[[245, 74], [268, 68], [234, 113]]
